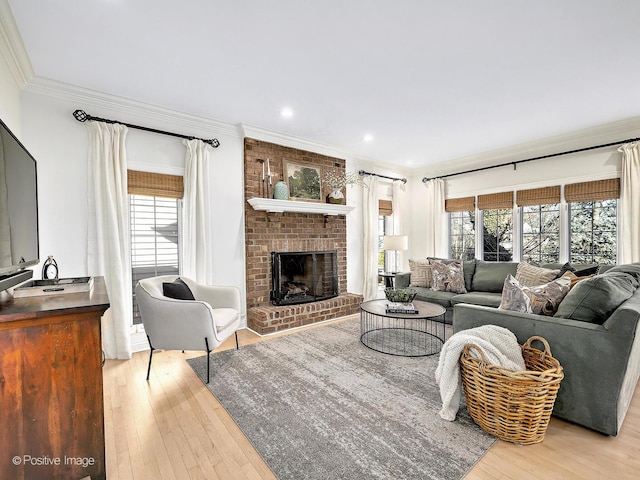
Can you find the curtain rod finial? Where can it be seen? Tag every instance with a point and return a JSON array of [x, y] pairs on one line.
[[80, 115]]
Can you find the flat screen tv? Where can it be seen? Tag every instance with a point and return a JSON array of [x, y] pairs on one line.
[[19, 246]]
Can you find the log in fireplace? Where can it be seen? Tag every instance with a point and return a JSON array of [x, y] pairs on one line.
[[302, 277]]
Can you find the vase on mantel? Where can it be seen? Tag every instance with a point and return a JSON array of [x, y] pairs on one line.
[[281, 191], [336, 197]]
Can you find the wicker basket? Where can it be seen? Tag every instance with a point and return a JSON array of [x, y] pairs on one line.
[[513, 406]]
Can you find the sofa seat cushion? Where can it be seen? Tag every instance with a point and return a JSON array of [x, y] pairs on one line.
[[487, 299], [433, 296], [595, 299], [490, 276]]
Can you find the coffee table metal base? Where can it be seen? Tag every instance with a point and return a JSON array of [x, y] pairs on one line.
[[402, 335]]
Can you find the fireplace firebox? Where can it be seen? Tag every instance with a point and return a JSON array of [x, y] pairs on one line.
[[302, 277]]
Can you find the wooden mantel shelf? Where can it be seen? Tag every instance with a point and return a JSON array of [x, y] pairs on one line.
[[279, 206]]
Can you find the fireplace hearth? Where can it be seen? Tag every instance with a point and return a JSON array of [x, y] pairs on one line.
[[302, 277]]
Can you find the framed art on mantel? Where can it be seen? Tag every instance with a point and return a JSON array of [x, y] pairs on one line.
[[303, 182]]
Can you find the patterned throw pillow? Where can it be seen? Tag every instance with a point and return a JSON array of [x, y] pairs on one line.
[[574, 279], [530, 275], [447, 277], [540, 299], [420, 273]]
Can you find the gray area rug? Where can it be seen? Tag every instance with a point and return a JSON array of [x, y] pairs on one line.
[[320, 405]]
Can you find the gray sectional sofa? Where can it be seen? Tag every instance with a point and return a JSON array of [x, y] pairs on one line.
[[594, 335], [594, 339], [483, 282]]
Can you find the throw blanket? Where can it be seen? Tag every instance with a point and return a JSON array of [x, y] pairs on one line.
[[499, 345]]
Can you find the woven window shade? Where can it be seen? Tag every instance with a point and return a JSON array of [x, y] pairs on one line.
[[538, 196], [495, 200], [466, 204], [591, 191], [385, 207], [154, 184]]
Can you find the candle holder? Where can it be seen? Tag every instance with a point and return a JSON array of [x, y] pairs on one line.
[[262, 185]]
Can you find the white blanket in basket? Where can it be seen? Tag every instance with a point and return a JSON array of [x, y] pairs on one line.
[[499, 345]]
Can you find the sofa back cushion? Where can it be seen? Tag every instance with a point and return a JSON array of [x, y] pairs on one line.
[[490, 276], [595, 299]]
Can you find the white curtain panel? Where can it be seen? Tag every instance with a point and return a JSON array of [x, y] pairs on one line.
[[630, 203], [397, 191], [108, 247], [370, 231], [436, 244], [196, 212]]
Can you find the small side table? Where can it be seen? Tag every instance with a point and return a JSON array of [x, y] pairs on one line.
[[389, 278]]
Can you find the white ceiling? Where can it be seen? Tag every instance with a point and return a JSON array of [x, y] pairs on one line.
[[430, 80]]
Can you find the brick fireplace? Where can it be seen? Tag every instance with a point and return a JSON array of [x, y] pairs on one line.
[[266, 233]]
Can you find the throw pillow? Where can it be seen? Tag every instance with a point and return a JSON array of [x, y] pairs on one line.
[[574, 279], [579, 271], [420, 273], [531, 275], [595, 299], [539, 299], [513, 296], [447, 277], [177, 289]]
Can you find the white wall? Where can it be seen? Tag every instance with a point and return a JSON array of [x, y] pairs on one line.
[[578, 167], [59, 144]]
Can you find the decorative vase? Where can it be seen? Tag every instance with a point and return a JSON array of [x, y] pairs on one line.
[[281, 191], [336, 196]]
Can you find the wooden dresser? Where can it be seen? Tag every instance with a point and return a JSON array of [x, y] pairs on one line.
[[51, 402]]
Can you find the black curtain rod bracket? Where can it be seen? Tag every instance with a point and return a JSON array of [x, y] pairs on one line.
[[568, 152], [363, 173], [82, 116]]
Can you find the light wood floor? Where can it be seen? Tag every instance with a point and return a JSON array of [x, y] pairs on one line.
[[172, 427]]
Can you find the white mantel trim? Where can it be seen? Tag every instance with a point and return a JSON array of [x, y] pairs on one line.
[[280, 206]]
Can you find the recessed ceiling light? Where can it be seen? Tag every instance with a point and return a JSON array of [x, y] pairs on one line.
[[286, 112], [367, 138]]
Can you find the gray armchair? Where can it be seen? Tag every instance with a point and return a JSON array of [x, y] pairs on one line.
[[200, 324]]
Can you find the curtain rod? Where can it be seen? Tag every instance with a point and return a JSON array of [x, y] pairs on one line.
[[82, 116], [362, 173], [425, 179]]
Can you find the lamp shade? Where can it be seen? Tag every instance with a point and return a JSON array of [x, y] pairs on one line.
[[395, 242]]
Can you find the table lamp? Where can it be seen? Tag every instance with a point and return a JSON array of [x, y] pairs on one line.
[[395, 243]]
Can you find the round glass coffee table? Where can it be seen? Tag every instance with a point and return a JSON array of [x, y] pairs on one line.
[[403, 334]]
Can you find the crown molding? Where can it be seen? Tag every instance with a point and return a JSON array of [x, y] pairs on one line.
[[87, 99], [12, 48], [285, 140], [602, 134]]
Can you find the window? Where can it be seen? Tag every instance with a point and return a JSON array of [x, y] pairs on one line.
[[593, 219], [155, 239], [497, 235], [154, 209], [497, 226], [541, 233], [594, 232], [462, 227], [462, 235], [385, 212]]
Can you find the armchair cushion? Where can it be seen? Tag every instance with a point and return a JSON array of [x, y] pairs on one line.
[[177, 289]]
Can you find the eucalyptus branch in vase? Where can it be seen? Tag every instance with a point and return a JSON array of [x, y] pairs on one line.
[[337, 180]]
